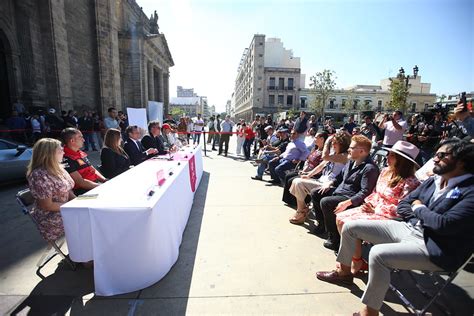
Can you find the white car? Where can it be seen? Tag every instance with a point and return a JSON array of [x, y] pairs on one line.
[[14, 159]]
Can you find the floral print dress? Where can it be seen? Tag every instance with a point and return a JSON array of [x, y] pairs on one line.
[[42, 186], [384, 199]]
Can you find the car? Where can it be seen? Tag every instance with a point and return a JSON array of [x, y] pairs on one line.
[[14, 159]]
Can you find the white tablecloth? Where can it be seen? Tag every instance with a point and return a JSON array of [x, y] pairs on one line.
[[133, 238]]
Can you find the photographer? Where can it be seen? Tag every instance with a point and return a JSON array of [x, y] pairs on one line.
[[394, 127]]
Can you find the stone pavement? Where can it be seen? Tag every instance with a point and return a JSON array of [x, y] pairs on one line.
[[239, 256]]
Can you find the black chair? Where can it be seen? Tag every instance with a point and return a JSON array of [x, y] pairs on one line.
[[25, 199], [380, 158], [440, 285]]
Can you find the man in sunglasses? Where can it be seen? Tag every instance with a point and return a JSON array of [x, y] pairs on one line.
[[435, 233]]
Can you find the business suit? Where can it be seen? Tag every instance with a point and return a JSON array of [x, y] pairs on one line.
[[434, 236], [135, 151], [113, 163], [149, 141]]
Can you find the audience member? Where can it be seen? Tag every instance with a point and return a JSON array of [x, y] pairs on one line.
[[269, 152], [111, 121], [394, 127], [435, 233], [113, 158], [326, 173], [356, 181], [226, 132], [295, 152], [314, 159]]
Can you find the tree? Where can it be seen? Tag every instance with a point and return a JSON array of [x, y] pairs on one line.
[[398, 95], [441, 98], [177, 112], [323, 85]]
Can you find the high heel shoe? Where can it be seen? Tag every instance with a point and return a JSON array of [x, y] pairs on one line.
[[359, 265], [299, 217]]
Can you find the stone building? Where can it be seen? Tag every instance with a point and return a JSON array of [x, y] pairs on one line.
[[72, 54], [362, 98], [268, 79]]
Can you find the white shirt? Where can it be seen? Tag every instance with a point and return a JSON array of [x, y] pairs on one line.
[[198, 128], [392, 135]]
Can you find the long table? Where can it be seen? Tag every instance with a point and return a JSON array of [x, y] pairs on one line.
[[134, 235]]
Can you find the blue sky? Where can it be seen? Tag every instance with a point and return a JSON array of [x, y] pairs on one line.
[[362, 41]]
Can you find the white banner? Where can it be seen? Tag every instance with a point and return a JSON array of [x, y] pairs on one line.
[[155, 111], [137, 117]]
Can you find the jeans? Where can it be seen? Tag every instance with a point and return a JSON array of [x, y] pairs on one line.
[[196, 137], [89, 140], [263, 165], [247, 146], [278, 169]]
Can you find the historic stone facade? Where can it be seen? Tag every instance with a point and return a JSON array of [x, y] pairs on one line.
[[72, 54]]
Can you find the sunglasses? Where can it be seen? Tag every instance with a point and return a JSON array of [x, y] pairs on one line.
[[442, 155]]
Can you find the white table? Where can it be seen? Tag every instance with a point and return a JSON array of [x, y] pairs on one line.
[[133, 238]]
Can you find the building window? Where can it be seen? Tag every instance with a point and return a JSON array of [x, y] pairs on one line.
[[281, 83], [281, 100], [260, 55], [413, 107], [331, 104], [290, 83], [426, 106], [271, 100], [289, 100], [343, 103], [354, 105], [367, 104], [272, 83], [379, 105], [303, 102]]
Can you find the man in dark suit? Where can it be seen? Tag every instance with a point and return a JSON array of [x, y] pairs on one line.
[[154, 138], [435, 233], [134, 148]]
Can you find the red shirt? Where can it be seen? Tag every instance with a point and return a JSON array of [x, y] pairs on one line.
[[77, 161], [249, 133]]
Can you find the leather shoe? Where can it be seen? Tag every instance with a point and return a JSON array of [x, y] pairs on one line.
[[319, 229], [331, 244], [334, 277], [257, 178]]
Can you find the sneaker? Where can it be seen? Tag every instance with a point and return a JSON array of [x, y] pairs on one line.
[[257, 178]]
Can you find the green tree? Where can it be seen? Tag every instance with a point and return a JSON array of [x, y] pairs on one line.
[[441, 98], [323, 84], [177, 111], [351, 104], [398, 95]]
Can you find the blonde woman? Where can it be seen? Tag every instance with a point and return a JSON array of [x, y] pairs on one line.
[[113, 158], [51, 186]]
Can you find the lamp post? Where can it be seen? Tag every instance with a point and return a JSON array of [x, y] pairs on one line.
[[402, 77]]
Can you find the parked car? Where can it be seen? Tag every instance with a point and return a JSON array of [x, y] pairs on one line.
[[14, 159]]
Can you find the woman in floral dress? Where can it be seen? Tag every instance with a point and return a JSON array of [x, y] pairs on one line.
[[51, 186], [394, 183]]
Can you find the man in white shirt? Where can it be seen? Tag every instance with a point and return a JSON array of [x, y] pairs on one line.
[[394, 127], [198, 127]]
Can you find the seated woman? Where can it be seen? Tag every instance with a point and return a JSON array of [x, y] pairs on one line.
[[170, 139], [326, 171], [394, 183], [313, 160], [113, 157], [51, 186]]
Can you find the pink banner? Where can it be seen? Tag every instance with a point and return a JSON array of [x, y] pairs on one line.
[[192, 173]]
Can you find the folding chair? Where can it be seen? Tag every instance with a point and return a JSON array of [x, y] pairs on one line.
[[380, 158], [439, 285], [25, 199]]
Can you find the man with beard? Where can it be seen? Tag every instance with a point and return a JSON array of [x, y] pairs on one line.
[[435, 233]]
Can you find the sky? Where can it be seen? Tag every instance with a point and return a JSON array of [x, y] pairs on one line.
[[362, 41]]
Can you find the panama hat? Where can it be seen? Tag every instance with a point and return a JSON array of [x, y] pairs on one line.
[[406, 150]]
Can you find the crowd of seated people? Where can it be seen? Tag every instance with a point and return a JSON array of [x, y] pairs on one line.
[[413, 223]]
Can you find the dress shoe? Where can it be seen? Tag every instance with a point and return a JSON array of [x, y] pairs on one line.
[[334, 277], [319, 229], [257, 178], [331, 243]]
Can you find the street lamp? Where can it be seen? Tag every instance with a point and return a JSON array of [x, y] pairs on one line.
[[402, 77]]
